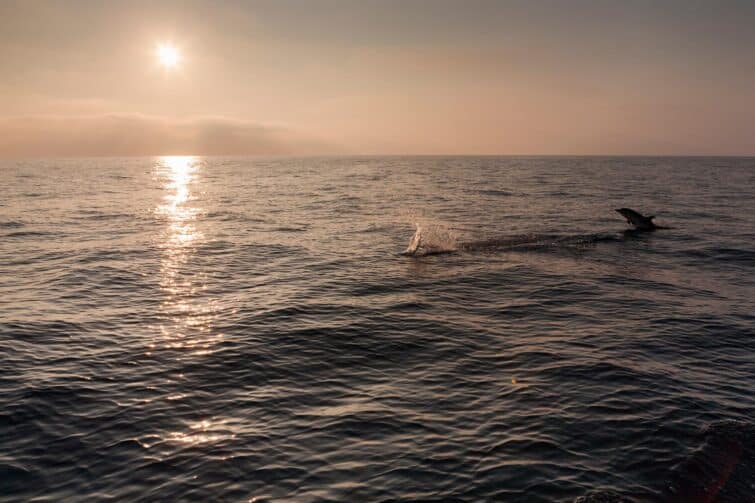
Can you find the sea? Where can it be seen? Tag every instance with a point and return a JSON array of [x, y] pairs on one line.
[[254, 329]]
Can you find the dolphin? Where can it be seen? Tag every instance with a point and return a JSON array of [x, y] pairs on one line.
[[640, 222]]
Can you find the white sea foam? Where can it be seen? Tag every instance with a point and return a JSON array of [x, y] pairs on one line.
[[432, 238]]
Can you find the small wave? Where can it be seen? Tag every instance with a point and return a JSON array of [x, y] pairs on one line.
[[28, 234], [12, 224], [603, 497], [285, 228], [720, 256], [232, 216], [733, 254], [492, 192], [96, 216], [16, 477], [291, 229]]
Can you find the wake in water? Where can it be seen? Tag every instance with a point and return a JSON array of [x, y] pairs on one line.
[[435, 239]]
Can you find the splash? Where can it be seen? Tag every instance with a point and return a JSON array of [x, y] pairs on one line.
[[431, 239]]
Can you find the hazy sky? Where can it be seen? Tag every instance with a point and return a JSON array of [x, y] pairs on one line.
[[393, 77]]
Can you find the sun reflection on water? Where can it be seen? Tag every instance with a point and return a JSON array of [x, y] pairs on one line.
[[178, 173], [183, 280], [188, 309], [204, 431]]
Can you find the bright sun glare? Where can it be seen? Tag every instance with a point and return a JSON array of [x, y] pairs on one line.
[[168, 56]]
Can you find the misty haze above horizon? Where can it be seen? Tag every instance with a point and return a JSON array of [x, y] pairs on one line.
[[378, 77]]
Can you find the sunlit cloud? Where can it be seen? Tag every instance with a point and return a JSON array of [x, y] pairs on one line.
[[134, 134]]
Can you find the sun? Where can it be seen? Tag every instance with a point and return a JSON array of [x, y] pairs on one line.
[[168, 55]]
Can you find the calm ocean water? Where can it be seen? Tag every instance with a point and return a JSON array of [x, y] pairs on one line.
[[246, 329]]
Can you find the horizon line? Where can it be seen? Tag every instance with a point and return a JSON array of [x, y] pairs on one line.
[[352, 155]]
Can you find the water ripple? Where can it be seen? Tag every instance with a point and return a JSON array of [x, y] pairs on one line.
[[245, 329]]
